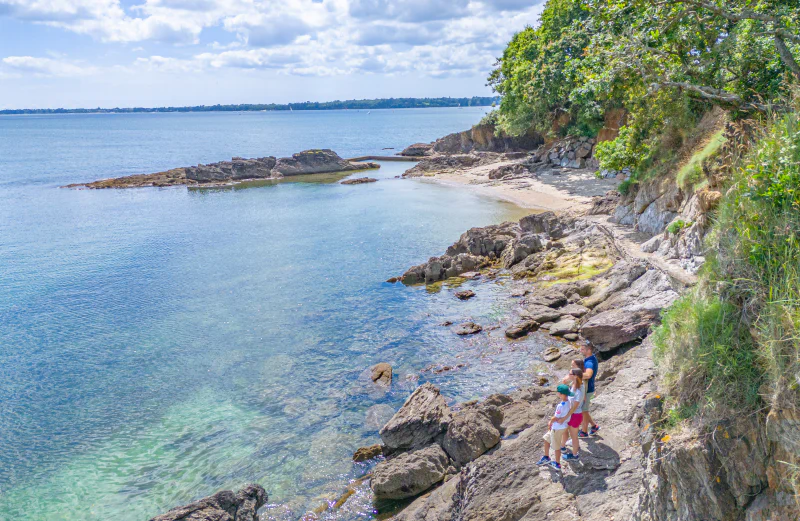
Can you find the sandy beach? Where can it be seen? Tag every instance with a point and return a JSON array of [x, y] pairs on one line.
[[559, 189]]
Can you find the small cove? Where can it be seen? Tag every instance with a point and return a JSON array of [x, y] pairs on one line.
[[159, 345]]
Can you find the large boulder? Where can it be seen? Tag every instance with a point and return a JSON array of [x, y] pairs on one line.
[[315, 162], [485, 241], [422, 418], [410, 473], [222, 506], [417, 149], [471, 433], [519, 248], [631, 313]]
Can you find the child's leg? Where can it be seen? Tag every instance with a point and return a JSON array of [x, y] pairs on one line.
[[558, 454], [547, 449], [564, 438], [573, 431]]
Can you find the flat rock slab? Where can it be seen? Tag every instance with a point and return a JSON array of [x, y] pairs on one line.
[[564, 326], [359, 181]]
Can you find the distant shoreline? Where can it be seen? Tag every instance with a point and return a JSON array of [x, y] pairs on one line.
[[362, 104]]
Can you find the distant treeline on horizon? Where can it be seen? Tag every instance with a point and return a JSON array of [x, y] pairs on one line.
[[383, 103]]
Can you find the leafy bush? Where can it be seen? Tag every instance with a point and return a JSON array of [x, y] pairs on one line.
[[709, 356], [738, 332], [677, 225], [625, 187], [622, 152]]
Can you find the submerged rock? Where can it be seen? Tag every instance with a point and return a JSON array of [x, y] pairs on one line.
[[410, 473], [381, 374], [521, 329], [222, 506], [465, 295], [368, 453], [468, 328], [422, 417], [359, 181]]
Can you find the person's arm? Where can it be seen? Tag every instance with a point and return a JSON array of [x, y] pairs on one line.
[[587, 374], [575, 404]]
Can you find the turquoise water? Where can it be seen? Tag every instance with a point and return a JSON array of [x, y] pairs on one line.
[[157, 345]]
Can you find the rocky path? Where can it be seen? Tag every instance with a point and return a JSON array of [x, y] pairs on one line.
[[506, 485], [628, 244]]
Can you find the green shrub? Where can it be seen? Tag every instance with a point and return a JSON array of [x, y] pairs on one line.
[[622, 152], [708, 355], [625, 187], [691, 174], [739, 330], [677, 225]]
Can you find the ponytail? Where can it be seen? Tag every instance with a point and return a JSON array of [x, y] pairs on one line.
[[578, 376]]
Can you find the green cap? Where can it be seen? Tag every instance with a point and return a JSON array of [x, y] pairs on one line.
[[564, 389]]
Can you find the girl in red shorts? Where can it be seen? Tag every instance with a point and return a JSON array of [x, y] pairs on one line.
[[576, 414]]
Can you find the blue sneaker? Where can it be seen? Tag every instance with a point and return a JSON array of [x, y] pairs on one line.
[[570, 456], [544, 461], [593, 430], [556, 465], [564, 450], [582, 434]]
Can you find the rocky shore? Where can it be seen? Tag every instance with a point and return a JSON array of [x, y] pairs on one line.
[[600, 274], [237, 170]]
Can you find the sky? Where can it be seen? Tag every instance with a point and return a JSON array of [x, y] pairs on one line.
[[148, 53]]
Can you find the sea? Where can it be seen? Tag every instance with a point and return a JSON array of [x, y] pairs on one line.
[[159, 345]]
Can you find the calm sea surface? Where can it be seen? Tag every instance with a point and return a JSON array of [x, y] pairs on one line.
[[157, 345]]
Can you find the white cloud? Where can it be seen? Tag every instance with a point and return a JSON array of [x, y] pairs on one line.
[[436, 38], [29, 65]]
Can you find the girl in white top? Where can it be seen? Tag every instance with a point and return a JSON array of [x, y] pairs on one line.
[[576, 414]]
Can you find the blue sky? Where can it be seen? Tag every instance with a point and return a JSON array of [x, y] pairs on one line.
[[106, 53]]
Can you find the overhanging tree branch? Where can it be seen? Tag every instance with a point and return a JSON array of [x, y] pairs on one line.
[[714, 95]]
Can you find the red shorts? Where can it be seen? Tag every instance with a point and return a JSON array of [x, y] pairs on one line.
[[575, 420]]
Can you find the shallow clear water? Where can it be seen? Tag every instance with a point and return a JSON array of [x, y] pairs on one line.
[[157, 345]]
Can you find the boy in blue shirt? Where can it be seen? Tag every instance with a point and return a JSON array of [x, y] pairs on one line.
[[556, 427]]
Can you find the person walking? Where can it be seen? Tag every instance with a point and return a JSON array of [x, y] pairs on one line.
[[590, 367]]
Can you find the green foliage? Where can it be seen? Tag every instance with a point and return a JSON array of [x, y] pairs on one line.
[[625, 186], [539, 70], [491, 118], [774, 170], [623, 152], [677, 225], [709, 356], [691, 174], [665, 63], [739, 331]]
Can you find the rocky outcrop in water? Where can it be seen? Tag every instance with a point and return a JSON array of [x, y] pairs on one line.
[[239, 169], [236, 169], [222, 506], [359, 181], [485, 138]]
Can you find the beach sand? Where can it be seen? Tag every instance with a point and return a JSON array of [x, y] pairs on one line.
[[558, 189]]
